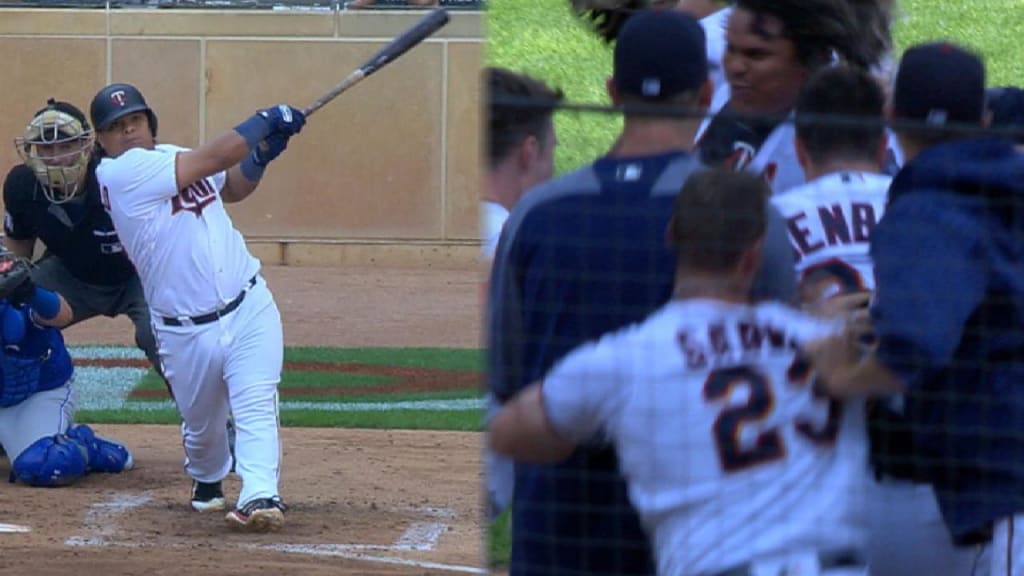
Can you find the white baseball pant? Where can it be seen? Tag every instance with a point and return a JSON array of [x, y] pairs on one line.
[[231, 364]]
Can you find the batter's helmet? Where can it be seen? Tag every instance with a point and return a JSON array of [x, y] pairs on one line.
[[118, 100]]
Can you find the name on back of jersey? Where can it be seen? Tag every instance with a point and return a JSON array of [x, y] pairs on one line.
[[830, 225], [716, 347]]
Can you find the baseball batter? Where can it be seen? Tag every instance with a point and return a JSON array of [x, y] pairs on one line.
[[217, 326], [37, 403], [734, 462]]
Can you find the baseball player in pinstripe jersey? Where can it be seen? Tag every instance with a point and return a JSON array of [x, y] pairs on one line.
[[946, 315], [215, 320], [830, 220], [734, 463]]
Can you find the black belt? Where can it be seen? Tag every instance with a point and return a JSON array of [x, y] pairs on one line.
[[826, 560], [212, 316]]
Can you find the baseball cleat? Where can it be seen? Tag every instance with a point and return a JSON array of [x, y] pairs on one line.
[[207, 496], [259, 515]]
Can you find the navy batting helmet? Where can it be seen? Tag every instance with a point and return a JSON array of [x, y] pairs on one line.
[[116, 101]]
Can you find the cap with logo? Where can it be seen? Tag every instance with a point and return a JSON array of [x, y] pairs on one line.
[[940, 83], [660, 54], [116, 101]]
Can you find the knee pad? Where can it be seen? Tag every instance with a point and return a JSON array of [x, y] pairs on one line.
[[50, 461], [104, 456]]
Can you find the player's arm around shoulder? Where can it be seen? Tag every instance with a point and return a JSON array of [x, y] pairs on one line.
[[846, 366], [578, 398], [522, 430]]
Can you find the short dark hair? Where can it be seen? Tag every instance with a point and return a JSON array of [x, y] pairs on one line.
[[817, 28], [717, 216], [873, 20], [844, 91], [509, 124]]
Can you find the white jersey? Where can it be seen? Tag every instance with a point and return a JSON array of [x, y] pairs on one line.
[[830, 220], [189, 256], [714, 32], [728, 454], [492, 220]]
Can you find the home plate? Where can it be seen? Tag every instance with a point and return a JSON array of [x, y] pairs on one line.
[[13, 528]]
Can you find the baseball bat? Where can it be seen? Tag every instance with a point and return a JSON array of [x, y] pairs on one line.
[[400, 45]]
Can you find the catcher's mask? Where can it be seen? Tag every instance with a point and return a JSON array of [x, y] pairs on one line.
[[57, 145]]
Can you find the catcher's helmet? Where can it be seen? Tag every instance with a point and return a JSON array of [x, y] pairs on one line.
[[57, 145], [118, 100]]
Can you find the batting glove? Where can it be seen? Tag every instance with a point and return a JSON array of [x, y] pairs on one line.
[[256, 162], [284, 119], [271, 148]]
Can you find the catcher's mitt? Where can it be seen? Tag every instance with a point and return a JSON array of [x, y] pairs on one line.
[[16, 284], [606, 17]]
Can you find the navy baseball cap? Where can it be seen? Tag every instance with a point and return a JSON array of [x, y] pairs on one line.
[[659, 54], [1007, 105], [940, 83]]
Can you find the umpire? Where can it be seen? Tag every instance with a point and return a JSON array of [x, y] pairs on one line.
[[54, 197], [948, 311], [583, 255]]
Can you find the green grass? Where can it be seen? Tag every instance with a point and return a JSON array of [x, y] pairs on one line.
[[444, 358], [499, 535], [457, 420], [371, 388], [542, 38]]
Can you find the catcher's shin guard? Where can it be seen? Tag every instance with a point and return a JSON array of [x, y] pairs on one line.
[[50, 461], [105, 456]]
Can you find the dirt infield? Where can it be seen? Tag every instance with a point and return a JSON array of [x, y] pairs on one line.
[[362, 502]]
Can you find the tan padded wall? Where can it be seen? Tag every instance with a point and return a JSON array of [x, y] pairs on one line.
[[465, 141], [36, 69], [394, 160], [171, 88], [367, 165]]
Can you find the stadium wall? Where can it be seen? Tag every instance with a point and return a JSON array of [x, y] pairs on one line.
[[386, 174]]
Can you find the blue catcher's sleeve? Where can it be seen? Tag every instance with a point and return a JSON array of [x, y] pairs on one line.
[[13, 322], [930, 276]]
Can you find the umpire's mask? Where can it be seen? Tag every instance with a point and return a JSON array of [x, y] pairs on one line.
[[57, 145]]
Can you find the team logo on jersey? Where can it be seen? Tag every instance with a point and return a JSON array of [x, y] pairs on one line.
[[194, 198], [118, 97], [742, 155]]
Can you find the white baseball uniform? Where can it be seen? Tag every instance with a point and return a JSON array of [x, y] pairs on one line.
[[731, 458], [193, 262], [714, 33], [499, 470], [492, 220], [775, 159], [830, 220]]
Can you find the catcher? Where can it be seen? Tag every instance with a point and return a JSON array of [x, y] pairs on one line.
[[54, 197], [37, 405]]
